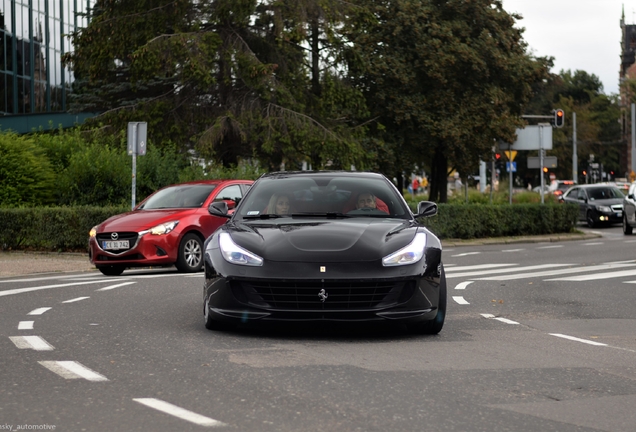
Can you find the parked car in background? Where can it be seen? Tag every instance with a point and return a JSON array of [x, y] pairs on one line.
[[167, 228], [629, 210], [344, 247], [558, 187], [598, 203]]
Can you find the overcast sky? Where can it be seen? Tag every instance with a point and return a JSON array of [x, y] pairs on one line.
[[579, 34]]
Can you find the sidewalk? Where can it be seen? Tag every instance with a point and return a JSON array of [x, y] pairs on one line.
[[24, 263]]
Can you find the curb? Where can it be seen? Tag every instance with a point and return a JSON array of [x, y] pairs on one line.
[[527, 239]]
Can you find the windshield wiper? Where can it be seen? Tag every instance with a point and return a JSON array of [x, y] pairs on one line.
[[264, 216], [328, 215]]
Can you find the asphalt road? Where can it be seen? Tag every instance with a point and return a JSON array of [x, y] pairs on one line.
[[540, 336]]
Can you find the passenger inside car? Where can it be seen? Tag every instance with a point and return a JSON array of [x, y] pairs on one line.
[[279, 204]]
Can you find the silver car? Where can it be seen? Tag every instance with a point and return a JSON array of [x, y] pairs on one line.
[[629, 210]]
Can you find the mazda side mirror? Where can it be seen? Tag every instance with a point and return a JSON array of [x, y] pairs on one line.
[[219, 208]]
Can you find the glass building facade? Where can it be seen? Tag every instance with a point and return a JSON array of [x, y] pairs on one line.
[[33, 39]]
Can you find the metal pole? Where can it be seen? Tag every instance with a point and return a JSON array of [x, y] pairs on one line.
[[134, 165], [633, 138], [575, 160], [510, 177], [541, 160]]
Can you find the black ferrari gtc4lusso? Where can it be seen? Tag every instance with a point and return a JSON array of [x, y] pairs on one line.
[[324, 246]]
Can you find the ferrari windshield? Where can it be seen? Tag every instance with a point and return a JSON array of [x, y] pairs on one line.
[[323, 195]]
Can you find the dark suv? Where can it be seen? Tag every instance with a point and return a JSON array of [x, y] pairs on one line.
[[598, 203]]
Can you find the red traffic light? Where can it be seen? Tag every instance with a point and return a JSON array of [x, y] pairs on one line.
[[559, 117], [497, 156]]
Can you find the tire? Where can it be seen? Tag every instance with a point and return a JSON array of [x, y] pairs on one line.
[[590, 220], [627, 228], [212, 324], [112, 270], [435, 325], [190, 257]]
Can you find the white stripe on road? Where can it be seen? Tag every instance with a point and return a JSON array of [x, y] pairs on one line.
[[593, 244], [504, 270], [577, 339], [597, 276], [43, 287], [39, 311], [46, 278], [75, 299], [466, 254], [179, 412], [463, 285], [477, 267], [503, 320], [460, 300], [25, 325], [31, 342], [72, 370], [550, 247], [513, 250], [115, 286], [557, 272]]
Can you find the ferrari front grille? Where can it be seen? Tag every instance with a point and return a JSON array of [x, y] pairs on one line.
[[319, 295]]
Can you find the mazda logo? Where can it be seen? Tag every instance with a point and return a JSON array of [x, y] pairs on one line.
[[114, 236]]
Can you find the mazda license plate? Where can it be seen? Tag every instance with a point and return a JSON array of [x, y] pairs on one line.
[[116, 244]]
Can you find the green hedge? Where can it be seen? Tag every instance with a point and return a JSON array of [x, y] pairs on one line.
[[468, 221], [66, 228], [51, 228]]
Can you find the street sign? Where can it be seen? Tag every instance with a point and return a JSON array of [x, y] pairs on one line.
[[137, 138], [548, 162], [534, 137], [510, 154], [514, 166]]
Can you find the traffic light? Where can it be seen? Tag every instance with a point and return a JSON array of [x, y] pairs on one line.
[[559, 117], [545, 169]]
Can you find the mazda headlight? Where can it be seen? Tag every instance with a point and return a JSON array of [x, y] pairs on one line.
[[161, 229], [604, 209], [235, 254], [93, 232], [409, 254]]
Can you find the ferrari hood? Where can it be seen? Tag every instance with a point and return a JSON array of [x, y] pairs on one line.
[[360, 239], [141, 219]]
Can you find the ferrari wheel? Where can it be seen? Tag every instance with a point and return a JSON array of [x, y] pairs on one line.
[[435, 325], [190, 258], [112, 270], [627, 228], [212, 324]]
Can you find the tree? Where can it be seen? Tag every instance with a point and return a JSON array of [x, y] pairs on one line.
[[232, 78], [445, 78]]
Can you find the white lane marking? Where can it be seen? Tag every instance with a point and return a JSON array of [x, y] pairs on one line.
[[503, 320], [75, 299], [37, 279], [449, 265], [466, 254], [39, 311], [31, 342], [25, 325], [72, 370], [593, 244], [556, 272], [550, 247], [577, 339], [597, 276], [513, 250], [179, 412], [463, 285], [43, 287], [460, 300], [195, 276], [477, 267], [504, 270], [115, 286], [506, 320], [630, 241]]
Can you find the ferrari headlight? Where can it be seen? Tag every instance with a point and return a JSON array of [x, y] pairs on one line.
[[93, 232], [163, 228], [409, 254], [235, 254], [604, 209]]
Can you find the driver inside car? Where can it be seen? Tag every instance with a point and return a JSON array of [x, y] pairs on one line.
[[366, 200]]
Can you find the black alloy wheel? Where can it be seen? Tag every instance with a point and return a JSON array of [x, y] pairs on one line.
[[627, 228], [435, 325], [590, 219], [190, 257], [111, 270]]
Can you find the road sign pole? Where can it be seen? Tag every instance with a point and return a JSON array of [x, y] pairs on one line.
[[134, 163], [633, 138], [510, 177], [541, 160], [575, 160]]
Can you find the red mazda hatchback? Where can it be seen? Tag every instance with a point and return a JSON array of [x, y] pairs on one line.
[[167, 228]]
